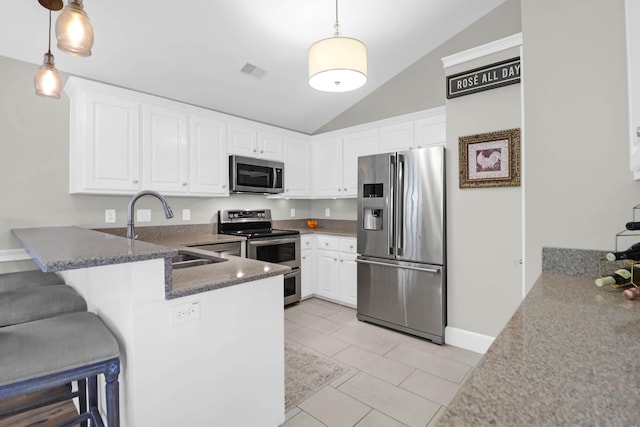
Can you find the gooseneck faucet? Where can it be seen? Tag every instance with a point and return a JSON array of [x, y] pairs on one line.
[[131, 234]]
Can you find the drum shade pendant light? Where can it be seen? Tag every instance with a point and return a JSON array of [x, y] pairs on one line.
[[47, 80], [337, 64], [74, 31]]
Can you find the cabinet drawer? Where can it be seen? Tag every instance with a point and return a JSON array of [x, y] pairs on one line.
[[328, 243], [307, 241], [348, 245]]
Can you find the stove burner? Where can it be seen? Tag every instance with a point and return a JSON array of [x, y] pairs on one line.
[[252, 224]]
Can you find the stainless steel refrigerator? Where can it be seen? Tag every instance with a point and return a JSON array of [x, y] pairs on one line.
[[401, 241]]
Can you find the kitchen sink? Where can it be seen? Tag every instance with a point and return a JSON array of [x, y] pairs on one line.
[[186, 260]]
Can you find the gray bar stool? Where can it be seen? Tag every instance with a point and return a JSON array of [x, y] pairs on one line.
[[51, 352], [35, 303], [28, 279]]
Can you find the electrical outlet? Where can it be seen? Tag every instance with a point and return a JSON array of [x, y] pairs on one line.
[[110, 216], [186, 214], [293, 212], [185, 312], [327, 212], [143, 215]]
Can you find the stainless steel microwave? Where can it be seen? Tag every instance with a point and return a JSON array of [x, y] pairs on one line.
[[249, 175]]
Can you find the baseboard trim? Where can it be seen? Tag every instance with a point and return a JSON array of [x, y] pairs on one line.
[[7, 255], [467, 340]]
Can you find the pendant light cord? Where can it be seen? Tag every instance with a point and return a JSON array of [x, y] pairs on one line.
[[336, 26], [49, 30]]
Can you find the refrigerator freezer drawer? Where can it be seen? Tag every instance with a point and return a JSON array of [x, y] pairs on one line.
[[406, 296]]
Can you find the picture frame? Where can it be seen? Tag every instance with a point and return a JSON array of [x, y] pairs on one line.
[[490, 159]]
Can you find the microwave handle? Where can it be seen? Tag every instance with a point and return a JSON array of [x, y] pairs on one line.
[[275, 177]]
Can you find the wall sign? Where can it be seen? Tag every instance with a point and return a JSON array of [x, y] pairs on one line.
[[484, 78]]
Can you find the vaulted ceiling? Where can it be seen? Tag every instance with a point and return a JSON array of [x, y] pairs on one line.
[[194, 51]]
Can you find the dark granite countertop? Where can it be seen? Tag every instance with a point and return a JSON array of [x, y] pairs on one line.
[[68, 248], [570, 355]]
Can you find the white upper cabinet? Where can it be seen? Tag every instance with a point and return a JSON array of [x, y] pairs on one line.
[[297, 177], [397, 137], [353, 146], [431, 130], [122, 142], [208, 172], [326, 167], [165, 149], [251, 142], [104, 142]]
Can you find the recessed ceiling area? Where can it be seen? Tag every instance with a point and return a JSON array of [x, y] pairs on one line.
[[194, 51]]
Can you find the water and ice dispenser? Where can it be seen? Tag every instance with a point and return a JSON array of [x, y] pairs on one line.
[[372, 206]]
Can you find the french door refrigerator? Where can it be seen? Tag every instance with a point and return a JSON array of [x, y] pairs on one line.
[[401, 241]]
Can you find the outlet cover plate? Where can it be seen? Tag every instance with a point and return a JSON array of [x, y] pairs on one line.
[[185, 312]]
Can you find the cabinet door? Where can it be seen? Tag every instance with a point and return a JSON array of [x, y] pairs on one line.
[[296, 167], [348, 282], [208, 165], [308, 273], [242, 140], [165, 149], [104, 144], [353, 146], [326, 167], [397, 137], [431, 131], [270, 146], [327, 273]]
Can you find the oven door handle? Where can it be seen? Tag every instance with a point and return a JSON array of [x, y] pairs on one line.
[[271, 242]]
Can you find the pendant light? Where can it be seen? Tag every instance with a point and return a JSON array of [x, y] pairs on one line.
[[337, 64], [47, 80], [74, 31]]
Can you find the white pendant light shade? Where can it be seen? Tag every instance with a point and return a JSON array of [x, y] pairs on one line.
[[337, 64], [47, 80], [74, 31]]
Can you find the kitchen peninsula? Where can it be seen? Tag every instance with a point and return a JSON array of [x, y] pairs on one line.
[[199, 368]]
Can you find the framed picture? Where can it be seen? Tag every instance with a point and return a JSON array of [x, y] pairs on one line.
[[490, 159]]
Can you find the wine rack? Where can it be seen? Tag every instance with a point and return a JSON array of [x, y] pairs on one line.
[[622, 236]]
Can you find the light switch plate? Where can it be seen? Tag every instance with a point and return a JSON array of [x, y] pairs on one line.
[[327, 212], [293, 212], [143, 215], [186, 214], [110, 216]]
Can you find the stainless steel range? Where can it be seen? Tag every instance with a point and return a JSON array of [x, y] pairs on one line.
[[266, 244]]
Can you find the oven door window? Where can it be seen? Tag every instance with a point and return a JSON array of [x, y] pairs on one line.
[[254, 176], [290, 285], [277, 253]]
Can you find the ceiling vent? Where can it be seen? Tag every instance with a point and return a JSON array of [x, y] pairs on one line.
[[253, 71]]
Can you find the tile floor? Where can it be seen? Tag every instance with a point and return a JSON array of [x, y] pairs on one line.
[[392, 379]]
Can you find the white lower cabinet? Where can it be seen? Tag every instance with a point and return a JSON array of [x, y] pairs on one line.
[[335, 269], [308, 265]]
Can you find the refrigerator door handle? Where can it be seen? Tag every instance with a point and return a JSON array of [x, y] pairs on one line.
[[391, 216], [408, 267], [400, 206]]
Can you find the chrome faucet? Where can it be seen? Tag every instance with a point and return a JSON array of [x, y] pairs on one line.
[[131, 234]]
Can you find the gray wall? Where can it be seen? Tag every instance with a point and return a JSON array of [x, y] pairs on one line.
[[421, 86], [484, 224], [579, 191]]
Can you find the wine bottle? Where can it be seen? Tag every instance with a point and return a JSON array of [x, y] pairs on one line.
[[620, 276], [632, 253], [632, 293], [633, 225]]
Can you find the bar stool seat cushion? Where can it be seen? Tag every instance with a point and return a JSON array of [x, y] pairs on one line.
[[26, 305], [48, 346], [30, 278]]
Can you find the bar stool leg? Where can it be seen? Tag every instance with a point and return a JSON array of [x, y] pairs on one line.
[[113, 393], [82, 399]]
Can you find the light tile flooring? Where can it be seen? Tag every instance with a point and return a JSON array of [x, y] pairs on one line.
[[392, 379]]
